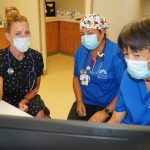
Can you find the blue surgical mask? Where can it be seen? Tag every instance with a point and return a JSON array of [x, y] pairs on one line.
[[90, 41], [138, 69]]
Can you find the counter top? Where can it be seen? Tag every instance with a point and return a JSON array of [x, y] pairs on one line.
[[51, 19], [1, 26]]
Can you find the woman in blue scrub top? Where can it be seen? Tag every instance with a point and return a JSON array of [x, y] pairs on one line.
[[133, 104], [98, 69]]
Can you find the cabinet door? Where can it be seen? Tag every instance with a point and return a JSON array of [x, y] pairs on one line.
[[3, 41], [52, 37], [69, 37], [76, 37]]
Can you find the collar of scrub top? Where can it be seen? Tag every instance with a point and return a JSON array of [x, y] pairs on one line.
[[99, 56]]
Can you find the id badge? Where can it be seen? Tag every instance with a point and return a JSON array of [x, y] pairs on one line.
[[85, 79]]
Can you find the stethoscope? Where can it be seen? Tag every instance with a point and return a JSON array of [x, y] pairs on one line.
[[10, 70], [89, 68]]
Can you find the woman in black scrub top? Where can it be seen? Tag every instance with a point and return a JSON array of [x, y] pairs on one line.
[[21, 67]]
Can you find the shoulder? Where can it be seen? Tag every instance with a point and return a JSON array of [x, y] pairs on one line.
[[35, 54], [38, 61], [81, 50], [125, 75], [114, 53], [3, 53], [110, 45], [126, 81]]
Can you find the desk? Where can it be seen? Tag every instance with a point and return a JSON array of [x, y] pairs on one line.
[[7, 109]]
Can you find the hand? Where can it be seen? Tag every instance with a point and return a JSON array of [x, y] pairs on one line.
[[99, 116], [23, 105], [81, 109]]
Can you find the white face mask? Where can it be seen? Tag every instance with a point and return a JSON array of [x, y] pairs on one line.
[[90, 41], [21, 44], [138, 69]]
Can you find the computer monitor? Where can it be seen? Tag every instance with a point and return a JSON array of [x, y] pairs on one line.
[[19, 133]]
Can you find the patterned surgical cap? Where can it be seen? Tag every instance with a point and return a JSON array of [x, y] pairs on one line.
[[94, 21]]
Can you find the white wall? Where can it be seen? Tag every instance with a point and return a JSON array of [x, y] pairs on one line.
[[43, 32], [118, 13], [88, 6]]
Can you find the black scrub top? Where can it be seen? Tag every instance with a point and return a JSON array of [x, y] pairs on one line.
[[18, 84]]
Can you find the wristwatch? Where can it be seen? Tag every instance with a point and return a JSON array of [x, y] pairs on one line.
[[107, 111]]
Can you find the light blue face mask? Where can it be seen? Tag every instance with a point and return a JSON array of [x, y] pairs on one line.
[[90, 41], [138, 69]]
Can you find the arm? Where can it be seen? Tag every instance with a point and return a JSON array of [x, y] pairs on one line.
[[111, 106], [78, 94], [117, 117], [118, 67], [1, 88], [120, 109], [39, 66], [32, 93], [23, 103], [101, 116]]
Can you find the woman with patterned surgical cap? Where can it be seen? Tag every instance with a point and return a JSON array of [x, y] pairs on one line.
[[21, 67], [98, 69]]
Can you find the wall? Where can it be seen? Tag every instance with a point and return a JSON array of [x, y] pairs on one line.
[[88, 6], [118, 13], [145, 8], [28, 8], [43, 32]]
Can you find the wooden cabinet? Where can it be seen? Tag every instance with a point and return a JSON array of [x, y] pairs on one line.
[[62, 36], [3, 41], [69, 37], [52, 37]]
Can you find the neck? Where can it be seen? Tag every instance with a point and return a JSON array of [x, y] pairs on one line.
[[18, 55], [147, 80], [99, 50]]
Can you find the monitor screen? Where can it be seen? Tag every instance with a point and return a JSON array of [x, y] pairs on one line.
[[22, 133]]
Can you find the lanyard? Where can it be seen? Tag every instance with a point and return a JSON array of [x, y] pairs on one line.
[[85, 60], [92, 70], [92, 66], [32, 72]]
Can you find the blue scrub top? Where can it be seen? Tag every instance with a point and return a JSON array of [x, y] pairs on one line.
[[104, 84], [135, 100]]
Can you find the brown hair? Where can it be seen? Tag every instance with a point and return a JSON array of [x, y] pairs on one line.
[[135, 36], [10, 10], [12, 15]]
